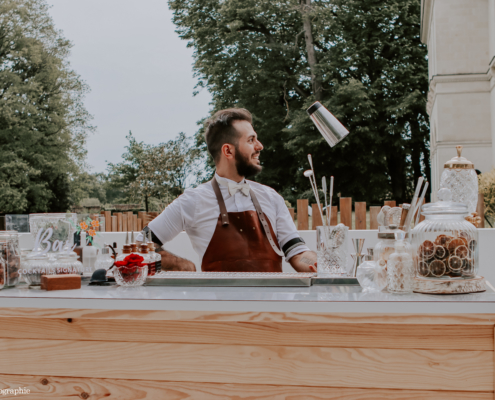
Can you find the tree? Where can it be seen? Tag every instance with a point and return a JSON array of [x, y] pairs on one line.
[[362, 59], [43, 123], [161, 172]]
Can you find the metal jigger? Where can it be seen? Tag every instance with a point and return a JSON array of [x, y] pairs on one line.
[[358, 256], [329, 126]]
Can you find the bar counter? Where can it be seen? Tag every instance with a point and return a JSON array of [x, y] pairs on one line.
[[319, 342]]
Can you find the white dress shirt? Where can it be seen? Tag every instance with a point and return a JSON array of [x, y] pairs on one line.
[[196, 211]]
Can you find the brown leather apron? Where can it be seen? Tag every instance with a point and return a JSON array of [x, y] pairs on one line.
[[239, 243]]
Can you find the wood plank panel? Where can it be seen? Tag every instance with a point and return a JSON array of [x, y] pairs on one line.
[[124, 222], [316, 217], [334, 216], [278, 365], [139, 225], [384, 336], [134, 222], [119, 221], [480, 209], [374, 211], [114, 223], [360, 215], [50, 387], [252, 316], [346, 211], [108, 221], [302, 215], [292, 214], [390, 203]]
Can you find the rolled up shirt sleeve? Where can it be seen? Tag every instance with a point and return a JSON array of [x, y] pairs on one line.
[[286, 229], [173, 219]]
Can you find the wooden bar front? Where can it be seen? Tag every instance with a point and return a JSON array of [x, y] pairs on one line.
[[171, 354]]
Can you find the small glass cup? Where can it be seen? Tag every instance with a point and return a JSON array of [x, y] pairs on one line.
[[331, 243]]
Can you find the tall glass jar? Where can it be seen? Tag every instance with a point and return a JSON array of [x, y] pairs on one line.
[[461, 179], [11, 253], [36, 266], [447, 244], [331, 244]]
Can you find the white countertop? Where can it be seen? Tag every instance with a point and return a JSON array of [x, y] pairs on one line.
[[332, 299]]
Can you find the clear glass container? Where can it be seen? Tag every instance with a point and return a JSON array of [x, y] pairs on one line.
[[447, 244], [11, 253], [104, 259], [130, 277], [400, 269], [65, 264], [386, 245], [37, 265], [459, 176], [332, 250]]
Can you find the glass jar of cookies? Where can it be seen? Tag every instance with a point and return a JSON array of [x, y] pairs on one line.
[[446, 244]]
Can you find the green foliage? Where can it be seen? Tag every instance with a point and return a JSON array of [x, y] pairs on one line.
[[372, 68], [43, 123], [160, 173]]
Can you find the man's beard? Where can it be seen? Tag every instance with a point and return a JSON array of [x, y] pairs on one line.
[[244, 167]]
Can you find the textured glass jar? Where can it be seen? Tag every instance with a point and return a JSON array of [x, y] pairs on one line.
[[104, 260], [65, 264], [331, 246], [386, 245], [461, 179], [37, 265], [11, 253], [400, 269], [446, 244]]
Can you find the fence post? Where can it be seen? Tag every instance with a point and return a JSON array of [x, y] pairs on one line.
[[374, 211], [302, 215], [316, 218], [390, 203], [119, 221], [291, 212], [346, 211], [480, 209], [114, 223], [334, 218], [360, 215], [108, 221], [124, 222]]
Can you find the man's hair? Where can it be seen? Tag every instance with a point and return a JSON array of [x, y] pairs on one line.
[[219, 129]]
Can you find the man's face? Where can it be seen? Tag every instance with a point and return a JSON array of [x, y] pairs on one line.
[[247, 151]]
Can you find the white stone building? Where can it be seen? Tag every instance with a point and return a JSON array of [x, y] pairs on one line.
[[460, 35]]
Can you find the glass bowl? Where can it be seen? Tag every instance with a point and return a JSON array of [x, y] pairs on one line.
[[131, 279]]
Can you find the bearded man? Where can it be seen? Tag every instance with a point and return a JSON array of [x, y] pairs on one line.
[[235, 225]]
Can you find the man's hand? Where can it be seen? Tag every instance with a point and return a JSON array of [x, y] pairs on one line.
[[171, 262], [304, 262]]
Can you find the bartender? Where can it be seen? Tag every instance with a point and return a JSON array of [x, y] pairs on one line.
[[234, 225]]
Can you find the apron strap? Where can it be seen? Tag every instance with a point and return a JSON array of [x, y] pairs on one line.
[[221, 202], [266, 228]]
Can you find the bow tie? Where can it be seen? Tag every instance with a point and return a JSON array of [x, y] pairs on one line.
[[242, 187]]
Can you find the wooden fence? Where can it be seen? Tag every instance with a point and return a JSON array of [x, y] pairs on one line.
[[364, 217]]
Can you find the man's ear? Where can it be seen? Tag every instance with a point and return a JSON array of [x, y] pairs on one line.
[[228, 151]]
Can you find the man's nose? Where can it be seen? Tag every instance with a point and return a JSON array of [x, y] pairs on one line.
[[259, 146]]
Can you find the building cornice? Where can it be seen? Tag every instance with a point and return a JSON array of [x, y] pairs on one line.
[[426, 15], [483, 77]]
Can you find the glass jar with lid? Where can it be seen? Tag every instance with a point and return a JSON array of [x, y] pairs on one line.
[[3, 266], [446, 244], [386, 244], [461, 179], [36, 265], [11, 253]]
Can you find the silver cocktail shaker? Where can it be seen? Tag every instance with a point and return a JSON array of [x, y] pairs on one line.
[[329, 126]]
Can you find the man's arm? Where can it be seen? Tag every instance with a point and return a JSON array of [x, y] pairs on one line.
[[171, 262], [304, 262]]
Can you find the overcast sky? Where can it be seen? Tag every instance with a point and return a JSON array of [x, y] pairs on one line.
[[139, 72]]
